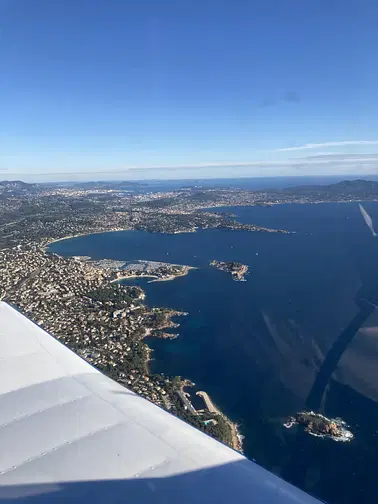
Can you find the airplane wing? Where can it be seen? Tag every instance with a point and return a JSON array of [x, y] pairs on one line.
[[69, 434]]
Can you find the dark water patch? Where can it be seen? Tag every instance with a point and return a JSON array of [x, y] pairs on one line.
[[257, 347]]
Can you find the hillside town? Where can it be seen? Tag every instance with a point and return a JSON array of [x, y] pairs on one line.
[[34, 213], [82, 303], [102, 321]]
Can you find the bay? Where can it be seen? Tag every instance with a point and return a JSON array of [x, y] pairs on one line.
[[256, 347]]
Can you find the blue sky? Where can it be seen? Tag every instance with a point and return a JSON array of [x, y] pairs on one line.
[[103, 89]]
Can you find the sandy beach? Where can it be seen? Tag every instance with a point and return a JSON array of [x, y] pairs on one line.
[[54, 240]]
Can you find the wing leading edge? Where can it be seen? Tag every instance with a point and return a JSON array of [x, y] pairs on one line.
[[70, 434]]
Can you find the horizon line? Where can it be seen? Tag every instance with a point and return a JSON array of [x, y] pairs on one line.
[[342, 177]]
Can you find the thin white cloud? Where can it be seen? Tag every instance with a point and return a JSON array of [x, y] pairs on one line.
[[260, 164], [362, 161], [328, 144], [326, 153], [336, 156]]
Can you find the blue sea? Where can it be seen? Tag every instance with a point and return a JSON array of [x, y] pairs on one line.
[[257, 346], [245, 183]]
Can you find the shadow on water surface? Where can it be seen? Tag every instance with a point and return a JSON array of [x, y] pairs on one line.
[[367, 307], [259, 351], [298, 467]]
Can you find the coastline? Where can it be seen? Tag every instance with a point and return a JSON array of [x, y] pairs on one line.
[[172, 277], [236, 437], [149, 352], [128, 277], [156, 278], [46, 244], [237, 440]]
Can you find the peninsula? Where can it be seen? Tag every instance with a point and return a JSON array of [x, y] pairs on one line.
[[123, 270], [237, 270], [236, 438]]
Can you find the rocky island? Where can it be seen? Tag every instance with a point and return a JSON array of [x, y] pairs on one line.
[[320, 426], [237, 269]]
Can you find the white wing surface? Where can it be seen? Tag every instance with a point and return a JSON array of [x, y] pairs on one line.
[[70, 434]]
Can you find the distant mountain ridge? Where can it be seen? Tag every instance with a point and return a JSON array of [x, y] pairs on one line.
[[359, 188], [125, 184], [16, 186], [354, 188]]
